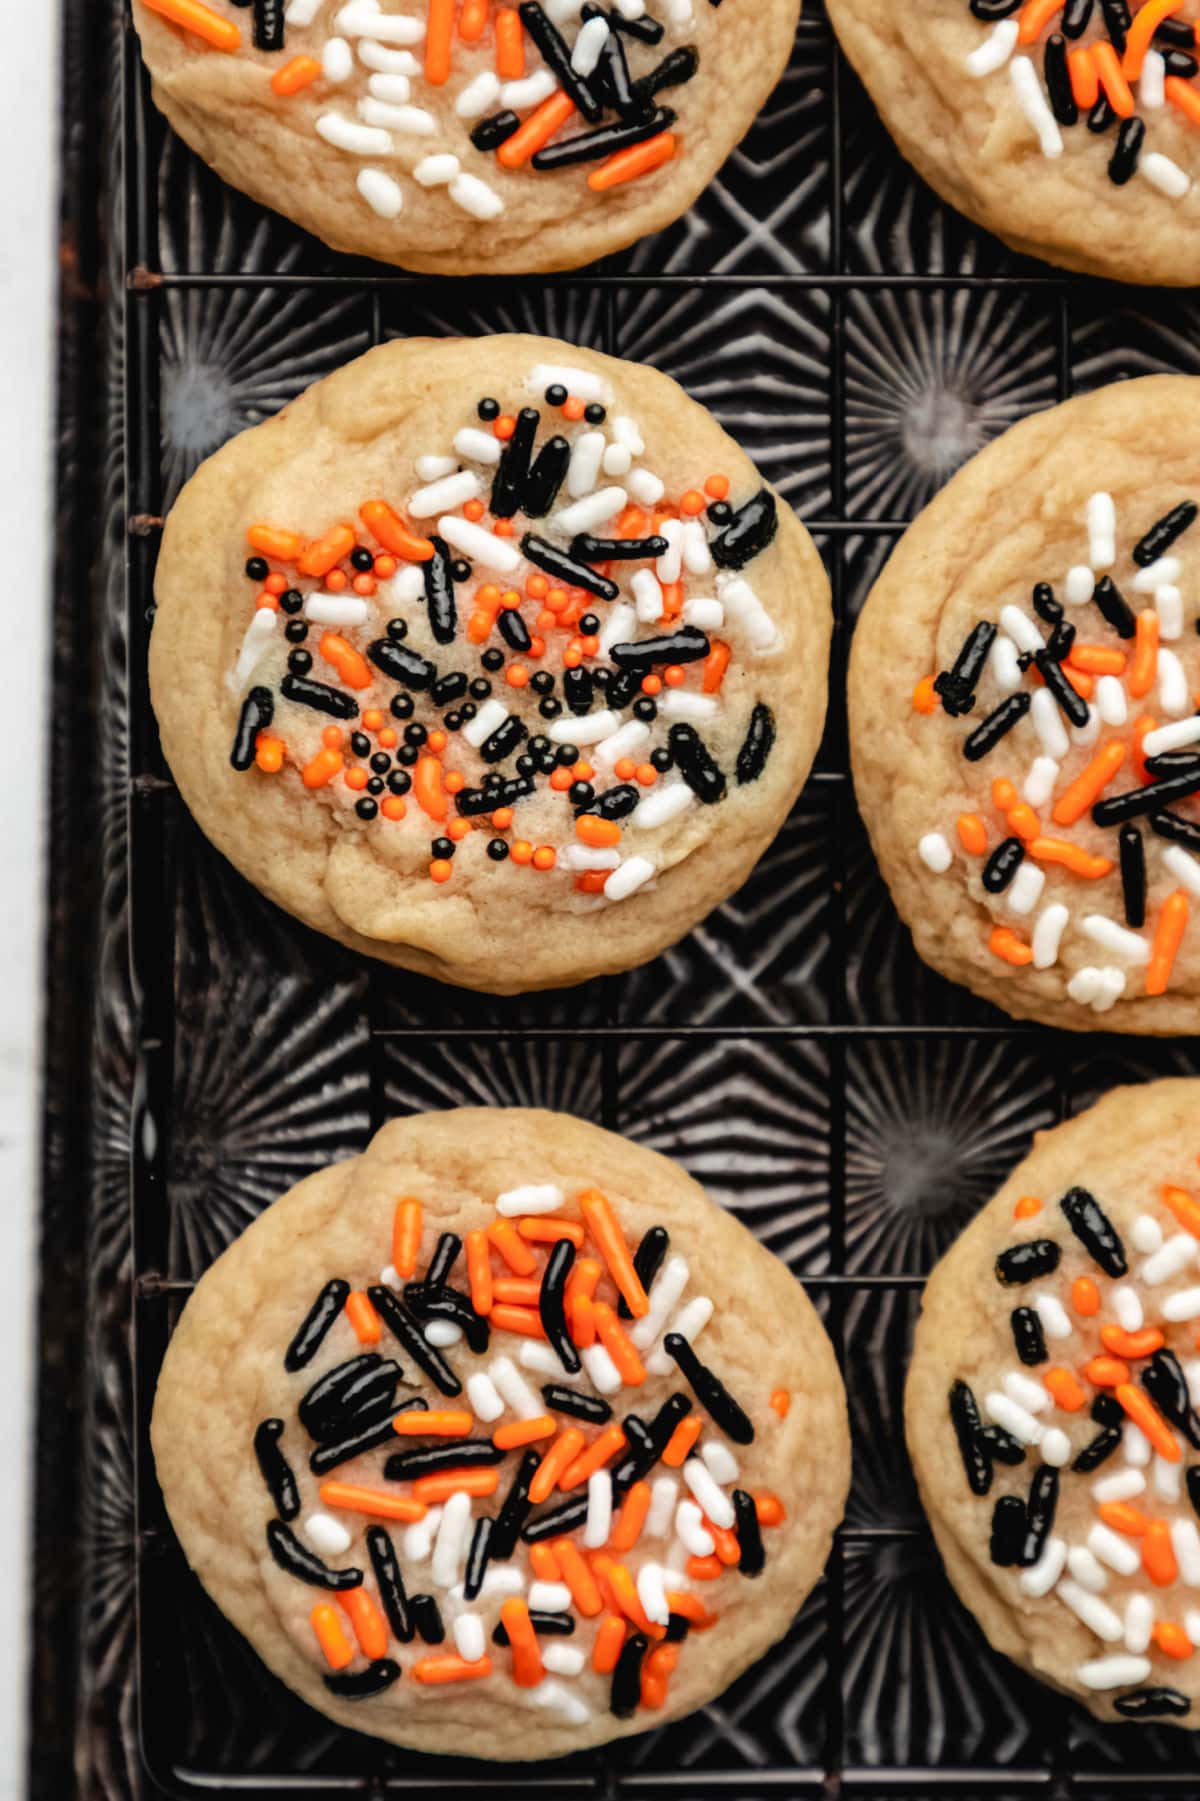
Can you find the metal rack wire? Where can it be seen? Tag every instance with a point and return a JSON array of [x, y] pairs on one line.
[[822, 1716]]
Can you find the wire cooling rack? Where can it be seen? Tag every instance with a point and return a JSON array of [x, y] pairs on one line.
[[861, 341]]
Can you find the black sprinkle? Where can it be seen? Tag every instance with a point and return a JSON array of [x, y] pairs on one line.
[[616, 550], [590, 146], [258, 709], [612, 82], [1151, 1703], [503, 741], [1076, 16], [445, 1255], [361, 1385], [1094, 1230], [427, 1619], [1124, 159], [1071, 702], [1165, 1383], [448, 1304], [1163, 533], [1045, 605], [749, 1534], [490, 133], [674, 69], [626, 1689], [1026, 1262], [615, 803], [276, 1470], [318, 695], [268, 24], [1098, 1450], [1116, 19], [554, 1625], [1178, 831], [401, 663], [439, 593], [1039, 1510], [1001, 1446], [551, 1308], [1114, 606], [1135, 803], [997, 725], [992, 10], [545, 477], [1101, 115], [477, 1557], [557, 58], [311, 1333], [367, 1437], [1003, 865], [751, 529], [566, 568], [688, 645], [581, 1407], [756, 745], [1058, 80], [295, 1559], [512, 471], [463, 1453], [677, 1628], [1028, 1336], [1133, 875], [1106, 1410], [514, 1510], [695, 764], [1060, 642], [956, 686], [391, 1583], [360, 1685], [554, 1524], [710, 1391], [404, 1328], [1010, 1527], [964, 1417], [647, 1261], [578, 690]]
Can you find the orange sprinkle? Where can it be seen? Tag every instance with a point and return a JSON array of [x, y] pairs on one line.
[[1158, 1554], [545, 857], [319, 557], [716, 486], [1106, 1372], [535, 131], [270, 541], [1097, 659], [625, 1594], [577, 1575], [769, 1509], [1120, 98], [704, 1569], [512, 1247], [432, 1489], [1085, 83], [691, 1608], [692, 503], [471, 21], [924, 696], [1028, 1207], [1070, 856], [1132, 1345], [619, 1346], [573, 407], [521, 851], [1065, 1389], [646, 775], [544, 1562], [350, 664], [607, 1648], [516, 675], [479, 1272], [728, 1550], [458, 829], [1144, 668], [373, 719], [1034, 17], [331, 738], [371, 1501], [715, 665], [632, 1517], [518, 1291], [1089, 784], [1180, 1204], [1085, 1296], [606, 1232], [1143, 725], [523, 1432], [363, 1318], [392, 806], [1024, 821], [320, 770], [545, 1228], [438, 1422], [1137, 39], [1003, 942], [427, 788], [448, 1667], [268, 753], [510, 47], [627, 165], [1168, 935], [436, 740], [1171, 1639], [441, 869], [972, 834], [439, 39], [525, 1321], [335, 581], [1183, 95], [583, 1321], [600, 834], [368, 1622], [656, 1671], [1124, 1517], [502, 818], [681, 1441], [1144, 1413], [602, 1450], [781, 1402], [293, 76], [560, 1456], [331, 1636], [193, 15]]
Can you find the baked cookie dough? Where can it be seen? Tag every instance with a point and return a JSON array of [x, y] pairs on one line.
[[457, 137], [441, 1435], [1071, 131], [493, 658], [1051, 1408], [1025, 743]]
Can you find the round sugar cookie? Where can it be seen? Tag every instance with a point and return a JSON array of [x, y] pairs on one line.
[[1051, 1415], [1022, 712], [457, 137], [1072, 132], [451, 1492], [494, 658]]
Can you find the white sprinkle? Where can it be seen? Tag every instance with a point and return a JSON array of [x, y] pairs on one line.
[[625, 742], [720, 1461], [647, 594], [1191, 1624], [1118, 939], [382, 194], [386, 61], [1164, 174], [582, 383], [396, 89], [327, 1535], [665, 1292], [476, 446], [415, 122], [669, 565], [1021, 629], [661, 1511], [616, 459], [1170, 1260], [481, 545], [697, 558], [1096, 1614], [632, 9], [259, 631], [337, 61], [1055, 1447], [1015, 1419], [1139, 1621], [591, 40], [562, 1660], [602, 1372], [1086, 1570], [1182, 1305], [1168, 604], [302, 12], [484, 1397], [646, 487], [1025, 889], [713, 1500], [1183, 866], [1171, 737], [1026, 1392], [1041, 781], [1002, 660], [1157, 575], [1126, 1301], [934, 851], [357, 20], [1112, 1672], [689, 1323], [1088, 733], [529, 90], [1041, 1576], [1152, 86], [549, 1597], [584, 515], [1112, 1549], [1185, 1542], [491, 714], [469, 1640], [418, 1539], [625, 431], [1047, 935], [691, 1530], [348, 134], [451, 1542], [479, 96], [336, 609], [633, 874], [514, 1389], [995, 50], [1111, 704], [1191, 1372], [560, 1699], [683, 703], [617, 627], [1121, 1486], [598, 1523], [536, 1356], [582, 856], [1101, 519], [709, 615], [389, 1278], [1079, 586], [1173, 695], [652, 1593], [1055, 1319], [431, 469], [1135, 1446], [445, 495], [588, 449], [504, 1580], [1145, 1234], [393, 116], [1047, 723], [435, 171], [589, 730], [1031, 98], [1099, 989], [1167, 1479], [442, 1333]]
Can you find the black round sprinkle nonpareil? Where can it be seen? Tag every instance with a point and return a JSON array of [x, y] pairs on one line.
[[311, 1333], [276, 1470], [1026, 1262], [1094, 1230], [295, 1559], [1028, 1336]]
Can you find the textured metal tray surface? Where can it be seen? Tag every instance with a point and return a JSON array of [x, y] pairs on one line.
[[851, 1107]]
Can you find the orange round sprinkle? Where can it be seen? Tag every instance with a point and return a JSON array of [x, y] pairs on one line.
[[266, 603], [1171, 1639], [781, 1399], [441, 870], [561, 779], [454, 782], [474, 510], [437, 742], [276, 584], [537, 648], [583, 772], [388, 739], [572, 407], [572, 656], [545, 621], [537, 587], [502, 818], [674, 676], [331, 738], [356, 778], [385, 566], [769, 1508], [392, 807], [1027, 1207], [521, 851], [510, 599], [503, 528], [972, 834], [646, 774], [363, 583], [924, 696], [335, 581], [372, 719], [624, 769], [458, 829], [504, 427], [516, 675], [716, 486], [693, 502], [652, 684], [545, 857]]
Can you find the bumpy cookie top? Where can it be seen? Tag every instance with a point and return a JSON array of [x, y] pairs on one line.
[[1070, 1508], [468, 135], [528, 667]]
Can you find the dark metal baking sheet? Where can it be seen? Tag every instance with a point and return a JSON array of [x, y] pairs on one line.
[[205, 1051]]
